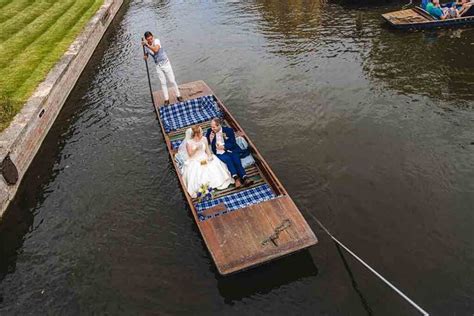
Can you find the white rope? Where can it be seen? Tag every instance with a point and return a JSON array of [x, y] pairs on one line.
[[421, 310]]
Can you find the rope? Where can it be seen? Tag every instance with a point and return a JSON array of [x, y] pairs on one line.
[[421, 310]]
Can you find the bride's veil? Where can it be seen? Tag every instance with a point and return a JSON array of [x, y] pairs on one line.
[[182, 151]]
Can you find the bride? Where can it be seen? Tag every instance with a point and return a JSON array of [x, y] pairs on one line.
[[201, 166]]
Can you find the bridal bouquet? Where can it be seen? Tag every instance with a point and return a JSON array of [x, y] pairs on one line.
[[205, 192]]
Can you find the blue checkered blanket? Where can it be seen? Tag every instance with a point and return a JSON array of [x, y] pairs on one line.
[[237, 200], [189, 112]]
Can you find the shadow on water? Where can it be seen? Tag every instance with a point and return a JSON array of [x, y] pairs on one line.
[[13, 229], [433, 63], [267, 277], [18, 220], [355, 286]]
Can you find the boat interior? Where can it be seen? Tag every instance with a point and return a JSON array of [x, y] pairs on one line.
[[242, 227], [263, 188]]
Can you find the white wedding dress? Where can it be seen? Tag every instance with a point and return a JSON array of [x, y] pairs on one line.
[[202, 167]]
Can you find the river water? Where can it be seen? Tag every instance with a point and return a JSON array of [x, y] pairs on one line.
[[371, 131]]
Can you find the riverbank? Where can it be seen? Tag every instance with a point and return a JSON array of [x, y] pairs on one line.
[[27, 55]]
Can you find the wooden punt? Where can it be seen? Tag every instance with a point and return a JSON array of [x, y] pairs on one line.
[[251, 235], [416, 19]]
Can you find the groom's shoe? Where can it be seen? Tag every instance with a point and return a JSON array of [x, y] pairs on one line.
[[248, 182], [238, 184]]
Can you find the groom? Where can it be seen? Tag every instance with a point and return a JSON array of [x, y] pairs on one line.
[[222, 140]]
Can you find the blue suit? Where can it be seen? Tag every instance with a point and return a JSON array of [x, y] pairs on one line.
[[232, 154]]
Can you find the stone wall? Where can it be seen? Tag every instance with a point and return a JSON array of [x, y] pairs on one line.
[[22, 139]]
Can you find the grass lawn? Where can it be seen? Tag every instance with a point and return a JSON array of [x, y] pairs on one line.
[[34, 34]]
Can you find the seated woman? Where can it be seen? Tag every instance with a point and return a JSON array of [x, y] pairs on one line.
[[201, 166]]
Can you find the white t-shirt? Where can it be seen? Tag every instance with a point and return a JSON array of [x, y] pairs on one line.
[[219, 140]]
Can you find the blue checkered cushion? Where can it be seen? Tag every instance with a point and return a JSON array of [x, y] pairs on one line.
[[189, 112], [237, 200], [175, 143]]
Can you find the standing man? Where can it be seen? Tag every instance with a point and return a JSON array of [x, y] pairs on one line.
[[163, 66]]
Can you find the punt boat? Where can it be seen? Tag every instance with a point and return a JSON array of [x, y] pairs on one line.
[[241, 227], [417, 19]]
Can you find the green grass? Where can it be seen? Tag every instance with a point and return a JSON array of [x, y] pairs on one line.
[[33, 37]]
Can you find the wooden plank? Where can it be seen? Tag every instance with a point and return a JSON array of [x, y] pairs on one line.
[[244, 231], [188, 91], [240, 239], [405, 17]]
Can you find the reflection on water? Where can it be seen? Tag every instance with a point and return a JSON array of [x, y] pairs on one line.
[[264, 279], [435, 64], [369, 129], [290, 26]]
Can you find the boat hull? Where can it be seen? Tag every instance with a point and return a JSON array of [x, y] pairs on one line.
[[418, 19], [252, 235]]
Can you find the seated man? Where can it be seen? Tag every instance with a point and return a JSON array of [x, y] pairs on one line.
[[224, 146]]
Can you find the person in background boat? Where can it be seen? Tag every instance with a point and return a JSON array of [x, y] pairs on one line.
[[224, 146], [163, 66], [463, 6], [435, 9], [201, 167]]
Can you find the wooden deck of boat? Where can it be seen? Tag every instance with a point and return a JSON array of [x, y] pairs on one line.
[[406, 17], [255, 234]]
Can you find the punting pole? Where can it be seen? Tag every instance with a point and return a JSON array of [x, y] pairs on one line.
[[399, 292], [148, 75]]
